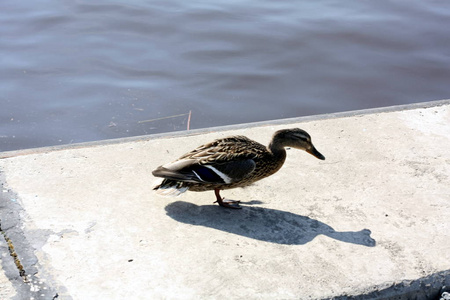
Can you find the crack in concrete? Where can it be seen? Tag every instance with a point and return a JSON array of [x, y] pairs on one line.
[[13, 254]]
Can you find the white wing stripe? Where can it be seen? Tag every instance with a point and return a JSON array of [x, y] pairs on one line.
[[197, 175], [222, 175]]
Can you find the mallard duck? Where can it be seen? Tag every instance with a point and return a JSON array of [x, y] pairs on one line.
[[230, 162]]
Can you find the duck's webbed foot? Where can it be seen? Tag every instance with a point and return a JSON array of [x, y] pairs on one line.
[[229, 203], [225, 202]]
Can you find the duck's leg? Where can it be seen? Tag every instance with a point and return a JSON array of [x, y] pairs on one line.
[[226, 203]]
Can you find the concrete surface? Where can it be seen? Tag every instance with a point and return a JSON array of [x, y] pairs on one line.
[[371, 221]]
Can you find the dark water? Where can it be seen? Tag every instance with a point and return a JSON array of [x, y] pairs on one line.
[[74, 71]]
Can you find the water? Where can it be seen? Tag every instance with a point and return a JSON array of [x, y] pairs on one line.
[[75, 71]]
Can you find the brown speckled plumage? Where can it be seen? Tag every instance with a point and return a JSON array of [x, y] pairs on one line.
[[236, 148], [231, 162]]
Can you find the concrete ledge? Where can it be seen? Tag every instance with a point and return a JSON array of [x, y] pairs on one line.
[[429, 287], [370, 222]]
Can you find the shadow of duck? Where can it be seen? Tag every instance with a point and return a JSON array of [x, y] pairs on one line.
[[264, 224]]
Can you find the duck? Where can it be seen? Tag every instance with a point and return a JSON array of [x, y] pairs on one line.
[[230, 162]]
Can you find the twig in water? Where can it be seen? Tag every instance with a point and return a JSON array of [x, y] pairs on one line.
[[157, 119], [189, 120]]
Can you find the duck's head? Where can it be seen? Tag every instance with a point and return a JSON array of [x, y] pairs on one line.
[[295, 138]]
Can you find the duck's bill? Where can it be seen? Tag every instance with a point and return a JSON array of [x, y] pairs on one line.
[[313, 151]]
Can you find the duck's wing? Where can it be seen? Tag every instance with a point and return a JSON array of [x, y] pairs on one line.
[[222, 161], [225, 150], [190, 170]]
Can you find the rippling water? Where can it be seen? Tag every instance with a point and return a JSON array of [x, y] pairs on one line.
[[74, 71]]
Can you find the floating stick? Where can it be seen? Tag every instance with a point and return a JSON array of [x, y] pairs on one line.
[[189, 120], [157, 119]]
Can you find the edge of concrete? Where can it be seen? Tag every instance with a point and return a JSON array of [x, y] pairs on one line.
[[19, 262], [352, 113], [429, 287]]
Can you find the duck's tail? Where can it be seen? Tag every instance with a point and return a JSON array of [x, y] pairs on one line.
[[169, 187]]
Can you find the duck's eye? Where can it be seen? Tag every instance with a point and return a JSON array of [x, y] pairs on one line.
[[301, 137]]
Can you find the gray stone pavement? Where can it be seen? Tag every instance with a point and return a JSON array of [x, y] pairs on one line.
[[371, 221]]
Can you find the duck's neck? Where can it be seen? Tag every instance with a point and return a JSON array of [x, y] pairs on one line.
[[277, 150]]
